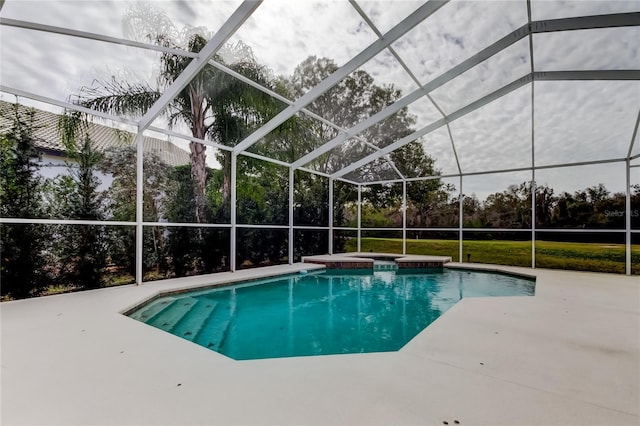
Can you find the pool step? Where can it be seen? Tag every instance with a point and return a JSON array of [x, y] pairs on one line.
[[213, 333], [150, 311], [189, 326], [170, 316]]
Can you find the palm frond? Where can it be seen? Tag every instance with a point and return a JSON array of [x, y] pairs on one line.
[[143, 22], [71, 125], [118, 97]]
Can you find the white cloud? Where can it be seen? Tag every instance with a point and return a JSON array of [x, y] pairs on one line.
[[486, 77], [385, 69], [438, 146], [572, 179], [211, 14], [106, 16], [456, 32], [424, 111], [56, 66], [484, 185], [284, 33], [497, 136], [101, 17], [385, 14], [584, 120], [599, 49]]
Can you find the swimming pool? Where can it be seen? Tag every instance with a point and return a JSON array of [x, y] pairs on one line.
[[329, 312]]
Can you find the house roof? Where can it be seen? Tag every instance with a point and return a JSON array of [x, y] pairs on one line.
[[48, 138]]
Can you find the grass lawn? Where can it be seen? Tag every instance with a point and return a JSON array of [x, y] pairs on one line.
[[549, 254]]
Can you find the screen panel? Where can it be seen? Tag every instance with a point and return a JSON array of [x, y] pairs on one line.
[[582, 197], [455, 32], [496, 136], [584, 120]]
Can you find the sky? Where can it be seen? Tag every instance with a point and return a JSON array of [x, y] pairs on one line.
[[572, 121]]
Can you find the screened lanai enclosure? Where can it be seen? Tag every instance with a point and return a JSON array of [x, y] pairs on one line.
[[172, 138]]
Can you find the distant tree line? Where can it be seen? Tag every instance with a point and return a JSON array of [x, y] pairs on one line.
[[591, 208]]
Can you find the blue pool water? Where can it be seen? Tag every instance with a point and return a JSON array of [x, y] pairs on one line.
[[331, 312]]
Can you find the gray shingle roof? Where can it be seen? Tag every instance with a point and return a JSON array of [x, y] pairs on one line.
[[48, 139]]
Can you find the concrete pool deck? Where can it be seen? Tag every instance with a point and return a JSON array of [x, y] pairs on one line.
[[568, 355]]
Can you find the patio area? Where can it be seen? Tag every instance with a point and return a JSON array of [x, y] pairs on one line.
[[568, 355]]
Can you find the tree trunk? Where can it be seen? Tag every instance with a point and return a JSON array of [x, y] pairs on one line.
[[199, 174], [226, 178], [198, 154]]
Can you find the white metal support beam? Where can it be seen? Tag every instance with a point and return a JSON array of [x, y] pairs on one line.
[[404, 217], [628, 217], [460, 222], [453, 147], [587, 22], [291, 212], [372, 50], [93, 36], [359, 218], [189, 138], [633, 136], [139, 141], [587, 75], [233, 237], [315, 172], [66, 221], [533, 150], [66, 105], [330, 246], [393, 166], [234, 22], [534, 184], [498, 171], [266, 159]]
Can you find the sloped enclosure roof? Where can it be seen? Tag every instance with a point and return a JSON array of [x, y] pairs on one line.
[[484, 86]]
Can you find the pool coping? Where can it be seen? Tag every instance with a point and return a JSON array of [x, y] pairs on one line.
[[358, 260], [231, 281], [495, 269]]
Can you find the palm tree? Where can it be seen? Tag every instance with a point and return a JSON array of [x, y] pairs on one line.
[[214, 105]]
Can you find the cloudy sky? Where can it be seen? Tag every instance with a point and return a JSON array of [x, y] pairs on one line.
[[573, 121]]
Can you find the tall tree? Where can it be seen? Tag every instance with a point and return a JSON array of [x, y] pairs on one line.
[[120, 205], [213, 106], [510, 208], [81, 249], [194, 250], [22, 246], [354, 99]]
